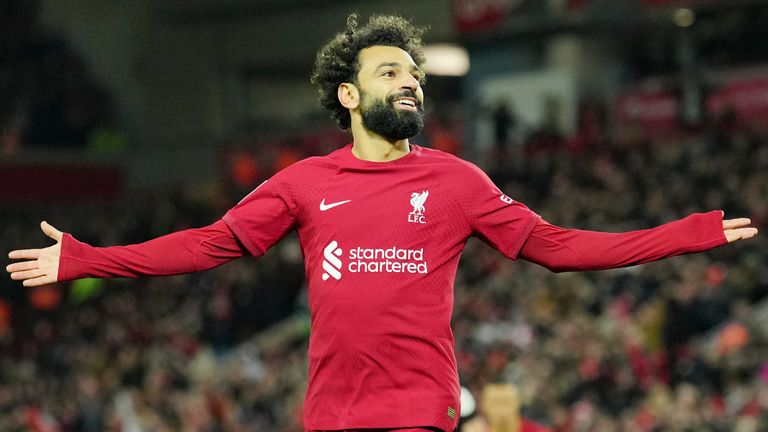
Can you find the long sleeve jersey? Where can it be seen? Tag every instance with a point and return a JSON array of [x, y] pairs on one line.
[[381, 243]]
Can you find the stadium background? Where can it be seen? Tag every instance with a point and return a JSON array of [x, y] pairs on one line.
[[121, 121]]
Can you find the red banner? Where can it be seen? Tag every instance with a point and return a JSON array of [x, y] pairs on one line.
[[655, 110], [40, 182], [747, 98], [474, 15]]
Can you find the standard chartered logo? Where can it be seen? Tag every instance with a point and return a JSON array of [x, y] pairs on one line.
[[331, 261], [372, 260]]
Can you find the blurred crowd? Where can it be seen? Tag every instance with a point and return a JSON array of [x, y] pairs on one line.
[[49, 96], [673, 346], [679, 345], [163, 354]]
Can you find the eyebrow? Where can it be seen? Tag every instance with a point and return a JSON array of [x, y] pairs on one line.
[[396, 64]]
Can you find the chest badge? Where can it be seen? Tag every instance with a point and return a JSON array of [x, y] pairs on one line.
[[417, 201]]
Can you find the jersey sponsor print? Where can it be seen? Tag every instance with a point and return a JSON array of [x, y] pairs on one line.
[[372, 260]]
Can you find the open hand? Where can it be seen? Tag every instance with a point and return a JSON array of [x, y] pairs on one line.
[[738, 229], [41, 266]]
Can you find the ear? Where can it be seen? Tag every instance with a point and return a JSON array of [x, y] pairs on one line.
[[348, 95]]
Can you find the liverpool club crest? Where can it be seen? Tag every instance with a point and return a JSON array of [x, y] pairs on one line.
[[417, 201]]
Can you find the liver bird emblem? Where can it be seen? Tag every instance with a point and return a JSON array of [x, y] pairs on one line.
[[417, 201]]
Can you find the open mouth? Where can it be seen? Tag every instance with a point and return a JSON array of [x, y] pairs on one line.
[[407, 103]]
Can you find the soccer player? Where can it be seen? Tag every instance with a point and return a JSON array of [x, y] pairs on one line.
[[500, 412], [381, 223]]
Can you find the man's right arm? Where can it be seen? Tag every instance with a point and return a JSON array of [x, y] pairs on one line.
[[252, 226], [181, 252]]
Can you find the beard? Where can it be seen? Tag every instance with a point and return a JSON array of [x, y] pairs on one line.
[[382, 118]]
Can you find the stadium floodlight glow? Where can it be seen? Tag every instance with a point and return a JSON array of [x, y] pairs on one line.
[[684, 17], [446, 60]]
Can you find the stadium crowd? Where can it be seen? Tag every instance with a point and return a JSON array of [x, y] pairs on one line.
[[680, 345]]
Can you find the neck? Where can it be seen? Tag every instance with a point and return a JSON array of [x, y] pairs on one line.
[[372, 147]]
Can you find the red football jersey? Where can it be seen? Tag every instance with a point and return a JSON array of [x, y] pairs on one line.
[[381, 242]]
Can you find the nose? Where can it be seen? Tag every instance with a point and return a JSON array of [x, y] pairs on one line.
[[410, 82]]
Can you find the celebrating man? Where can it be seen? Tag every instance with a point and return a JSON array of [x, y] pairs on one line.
[[382, 223]]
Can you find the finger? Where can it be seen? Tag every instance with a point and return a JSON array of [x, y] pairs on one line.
[[747, 233], [50, 231], [21, 266], [25, 254], [42, 280], [740, 234], [27, 274], [736, 223]]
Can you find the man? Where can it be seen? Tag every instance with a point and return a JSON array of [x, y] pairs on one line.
[[381, 224], [500, 412]]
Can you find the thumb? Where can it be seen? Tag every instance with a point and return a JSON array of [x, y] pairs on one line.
[[50, 231]]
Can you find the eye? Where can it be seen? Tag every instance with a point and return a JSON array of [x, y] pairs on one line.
[[389, 74]]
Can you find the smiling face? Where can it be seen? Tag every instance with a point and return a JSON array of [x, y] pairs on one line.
[[391, 97]]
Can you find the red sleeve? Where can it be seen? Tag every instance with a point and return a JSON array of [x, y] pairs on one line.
[[560, 249], [493, 216], [180, 252], [265, 215]]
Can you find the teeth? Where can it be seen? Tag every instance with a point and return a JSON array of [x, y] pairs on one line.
[[407, 102]]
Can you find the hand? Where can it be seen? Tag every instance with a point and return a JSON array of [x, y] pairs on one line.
[[42, 265], [738, 229]]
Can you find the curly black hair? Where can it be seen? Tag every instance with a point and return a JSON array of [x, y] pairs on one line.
[[337, 61]]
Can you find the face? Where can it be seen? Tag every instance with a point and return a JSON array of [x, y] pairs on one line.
[[391, 98], [501, 404]]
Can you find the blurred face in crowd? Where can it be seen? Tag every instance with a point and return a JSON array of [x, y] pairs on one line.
[[391, 98], [501, 407]]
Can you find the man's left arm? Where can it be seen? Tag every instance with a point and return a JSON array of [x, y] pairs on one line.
[[559, 249]]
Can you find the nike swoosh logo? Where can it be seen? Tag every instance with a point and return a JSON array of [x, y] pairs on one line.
[[324, 206]]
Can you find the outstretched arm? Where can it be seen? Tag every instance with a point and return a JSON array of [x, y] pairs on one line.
[[560, 249], [181, 252]]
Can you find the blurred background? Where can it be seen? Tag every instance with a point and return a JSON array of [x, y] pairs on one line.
[[122, 121]]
